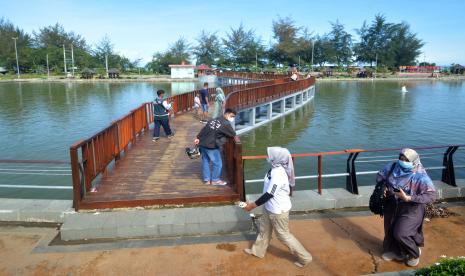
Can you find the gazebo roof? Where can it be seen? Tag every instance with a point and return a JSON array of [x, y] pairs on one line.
[[203, 67], [113, 71]]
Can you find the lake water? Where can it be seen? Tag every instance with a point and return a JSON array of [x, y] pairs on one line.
[[41, 121]]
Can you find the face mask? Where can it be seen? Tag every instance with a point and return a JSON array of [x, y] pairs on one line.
[[269, 160], [405, 165], [231, 119]]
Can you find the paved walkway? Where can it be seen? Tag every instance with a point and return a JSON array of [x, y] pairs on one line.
[[159, 172], [342, 243]]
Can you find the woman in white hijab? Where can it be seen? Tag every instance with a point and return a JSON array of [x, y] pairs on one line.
[[219, 103], [277, 187]]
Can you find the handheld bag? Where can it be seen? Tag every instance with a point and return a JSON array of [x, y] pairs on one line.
[[377, 198]]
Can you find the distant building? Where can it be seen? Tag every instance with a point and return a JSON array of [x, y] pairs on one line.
[[87, 73], [182, 71], [3, 70]]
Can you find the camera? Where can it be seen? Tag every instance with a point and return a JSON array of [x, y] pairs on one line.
[[193, 153]]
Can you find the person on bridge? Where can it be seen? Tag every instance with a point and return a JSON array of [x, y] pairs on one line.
[[409, 189], [278, 183], [210, 140], [204, 102], [219, 103], [161, 116]]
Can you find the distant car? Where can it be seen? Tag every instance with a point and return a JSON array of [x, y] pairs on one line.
[[3, 70]]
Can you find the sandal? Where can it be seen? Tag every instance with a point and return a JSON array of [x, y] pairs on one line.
[[219, 183]]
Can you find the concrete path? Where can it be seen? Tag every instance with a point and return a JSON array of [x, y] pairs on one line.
[[342, 243]]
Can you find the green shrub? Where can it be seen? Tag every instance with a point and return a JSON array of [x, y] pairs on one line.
[[446, 266]]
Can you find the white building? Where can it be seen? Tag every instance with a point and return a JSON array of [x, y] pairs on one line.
[[182, 71]]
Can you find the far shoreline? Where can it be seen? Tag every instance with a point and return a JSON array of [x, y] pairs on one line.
[[167, 79]]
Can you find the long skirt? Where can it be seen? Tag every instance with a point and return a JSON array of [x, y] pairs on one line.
[[403, 227]]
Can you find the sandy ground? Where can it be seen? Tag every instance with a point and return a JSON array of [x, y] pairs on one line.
[[341, 245]]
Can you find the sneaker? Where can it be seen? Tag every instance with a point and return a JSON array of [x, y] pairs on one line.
[[248, 251], [154, 139], [219, 183], [389, 256], [170, 136], [413, 261], [203, 121]]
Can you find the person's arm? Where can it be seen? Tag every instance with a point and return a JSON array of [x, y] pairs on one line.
[[166, 105], [197, 138], [426, 197], [227, 130], [269, 193]]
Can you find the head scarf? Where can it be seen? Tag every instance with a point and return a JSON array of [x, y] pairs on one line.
[[413, 182], [281, 157], [220, 94]]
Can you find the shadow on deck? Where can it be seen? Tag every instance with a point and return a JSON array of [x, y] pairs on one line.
[[159, 173]]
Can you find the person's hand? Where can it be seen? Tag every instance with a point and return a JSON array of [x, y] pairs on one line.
[[196, 141], [385, 192], [402, 195], [250, 206]]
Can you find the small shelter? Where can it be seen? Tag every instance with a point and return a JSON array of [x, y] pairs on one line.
[[87, 73], [3, 70], [182, 71], [203, 70], [113, 73], [457, 69]]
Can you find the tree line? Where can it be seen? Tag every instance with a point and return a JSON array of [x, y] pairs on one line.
[[386, 44]]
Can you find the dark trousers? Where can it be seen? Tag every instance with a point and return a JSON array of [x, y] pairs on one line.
[[403, 227], [165, 123]]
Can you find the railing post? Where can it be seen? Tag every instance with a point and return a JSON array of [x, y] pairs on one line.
[[239, 169], [76, 178], [133, 121], [353, 188], [448, 173], [320, 174]]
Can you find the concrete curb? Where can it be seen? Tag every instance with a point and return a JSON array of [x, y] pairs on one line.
[[34, 210], [155, 223]]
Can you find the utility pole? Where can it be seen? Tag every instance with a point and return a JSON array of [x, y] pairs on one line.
[[106, 63], [299, 62], [48, 69], [16, 52], [72, 59], [313, 46], [64, 59], [256, 62]]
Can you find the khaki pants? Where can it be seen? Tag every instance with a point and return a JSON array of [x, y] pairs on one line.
[[280, 224]]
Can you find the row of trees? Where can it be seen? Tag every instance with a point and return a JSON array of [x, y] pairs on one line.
[[379, 42], [33, 50], [386, 44]]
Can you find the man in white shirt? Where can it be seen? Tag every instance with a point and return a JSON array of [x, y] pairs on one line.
[[161, 115]]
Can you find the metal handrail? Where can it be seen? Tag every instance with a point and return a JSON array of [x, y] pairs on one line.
[[448, 167]]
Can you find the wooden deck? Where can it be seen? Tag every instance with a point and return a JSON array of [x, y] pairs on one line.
[[158, 173]]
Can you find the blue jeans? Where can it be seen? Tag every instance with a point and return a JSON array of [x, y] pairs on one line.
[[204, 107], [213, 155], [165, 123]]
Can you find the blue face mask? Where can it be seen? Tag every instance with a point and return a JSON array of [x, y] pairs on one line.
[[405, 165]]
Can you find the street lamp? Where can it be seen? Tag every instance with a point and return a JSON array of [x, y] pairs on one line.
[[16, 52]]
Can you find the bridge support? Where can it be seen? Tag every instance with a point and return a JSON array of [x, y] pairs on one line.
[[251, 118]]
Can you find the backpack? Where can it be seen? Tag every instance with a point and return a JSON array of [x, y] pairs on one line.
[[377, 199]]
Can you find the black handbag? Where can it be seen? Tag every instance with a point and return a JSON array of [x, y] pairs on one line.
[[377, 199]]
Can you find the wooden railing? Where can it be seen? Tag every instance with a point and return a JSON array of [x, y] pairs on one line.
[[235, 165], [251, 76], [257, 95], [91, 157]]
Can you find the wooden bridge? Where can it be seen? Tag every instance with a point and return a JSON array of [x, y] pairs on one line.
[[121, 166]]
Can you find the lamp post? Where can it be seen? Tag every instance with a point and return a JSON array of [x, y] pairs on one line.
[[313, 47], [16, 52]]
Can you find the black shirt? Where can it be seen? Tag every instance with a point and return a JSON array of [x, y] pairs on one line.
[[213, 135]]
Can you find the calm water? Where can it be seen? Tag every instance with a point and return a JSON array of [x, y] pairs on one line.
[[41, 121], [348, 115]]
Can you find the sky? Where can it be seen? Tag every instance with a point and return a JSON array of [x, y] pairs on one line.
[[138, 29]]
